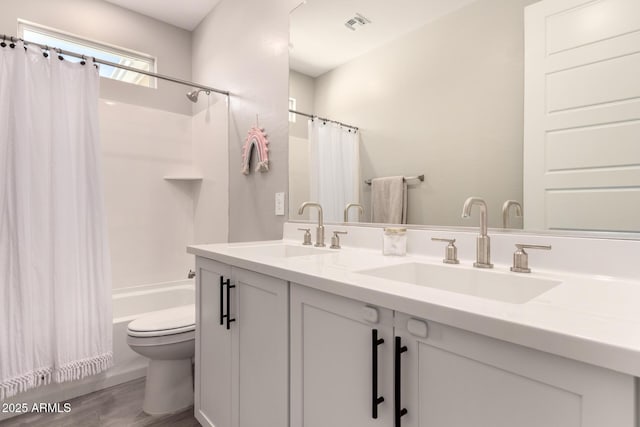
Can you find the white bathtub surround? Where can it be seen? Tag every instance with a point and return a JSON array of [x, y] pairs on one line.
[[141, 146], [56, 322]]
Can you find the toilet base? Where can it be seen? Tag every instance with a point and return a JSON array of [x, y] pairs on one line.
[[169, 386]]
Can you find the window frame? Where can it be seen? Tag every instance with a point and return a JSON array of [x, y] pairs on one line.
[[93, 44]]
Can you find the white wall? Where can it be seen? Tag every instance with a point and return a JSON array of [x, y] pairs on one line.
[[147, 134], [445, 100], [242, 46], [210, 154]]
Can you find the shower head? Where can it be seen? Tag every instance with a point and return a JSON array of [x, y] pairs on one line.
[[193, 95]]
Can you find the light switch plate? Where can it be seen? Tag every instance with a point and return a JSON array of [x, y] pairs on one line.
[[279, 204]]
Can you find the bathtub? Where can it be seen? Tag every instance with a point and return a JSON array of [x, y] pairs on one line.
[[128, 304]]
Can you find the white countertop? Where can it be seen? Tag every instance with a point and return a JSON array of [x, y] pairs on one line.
[[594, 319]]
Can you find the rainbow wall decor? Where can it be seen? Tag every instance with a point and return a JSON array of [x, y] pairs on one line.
[[258, 139]]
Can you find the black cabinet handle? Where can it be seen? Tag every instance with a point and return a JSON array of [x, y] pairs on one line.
[[221, 299], [228, 315], [375, 400], [397, 365]]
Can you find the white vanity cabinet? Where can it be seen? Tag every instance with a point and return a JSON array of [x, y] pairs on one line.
[[331, 360], [446, 377], [273, 353], [242, 347], [455, 378]]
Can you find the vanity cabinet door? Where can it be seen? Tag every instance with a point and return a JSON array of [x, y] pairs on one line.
[[332, 360], [213, 356], [242, 347], [260, 349], [454, 378]]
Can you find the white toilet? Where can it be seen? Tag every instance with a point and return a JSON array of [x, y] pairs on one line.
[[167, 338]]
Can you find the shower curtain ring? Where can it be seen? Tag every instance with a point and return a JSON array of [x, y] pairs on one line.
[[84, 60], [4, 39]]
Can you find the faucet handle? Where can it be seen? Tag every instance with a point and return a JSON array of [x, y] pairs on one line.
[[521, 258], [335, 240], [307, 236], [451, 251]]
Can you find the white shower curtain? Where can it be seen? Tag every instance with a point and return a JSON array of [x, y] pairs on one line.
[[334, 163], [55, 284]]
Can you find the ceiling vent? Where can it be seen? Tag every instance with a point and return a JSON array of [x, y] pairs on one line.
[[358, 20]]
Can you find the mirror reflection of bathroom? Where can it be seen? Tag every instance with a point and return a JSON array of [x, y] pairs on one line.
[[438, 89], [425, 100]]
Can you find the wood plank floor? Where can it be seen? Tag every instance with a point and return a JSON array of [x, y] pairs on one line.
[[119, 406]]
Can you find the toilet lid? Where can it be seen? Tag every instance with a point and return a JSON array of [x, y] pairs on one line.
[[165, 322]]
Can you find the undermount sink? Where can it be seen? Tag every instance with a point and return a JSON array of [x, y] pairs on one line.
[[278, 251], [506, 287]]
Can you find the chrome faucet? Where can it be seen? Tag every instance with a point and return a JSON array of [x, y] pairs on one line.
[[483, 245], [506, 209], [349, 206], [320, 227]]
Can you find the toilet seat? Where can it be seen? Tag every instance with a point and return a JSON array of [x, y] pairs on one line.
[[161, 340], [173, 321]]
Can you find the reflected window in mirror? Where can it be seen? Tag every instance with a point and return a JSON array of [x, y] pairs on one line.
[[292, 106]]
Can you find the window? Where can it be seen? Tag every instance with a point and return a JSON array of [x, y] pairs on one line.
[[292, 106], [54, 38]]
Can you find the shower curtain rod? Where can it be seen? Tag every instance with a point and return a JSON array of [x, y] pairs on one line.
[[113, 64], [311, 116]]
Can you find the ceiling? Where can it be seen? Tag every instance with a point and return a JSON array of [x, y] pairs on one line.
[[185, 14], [319, 40]]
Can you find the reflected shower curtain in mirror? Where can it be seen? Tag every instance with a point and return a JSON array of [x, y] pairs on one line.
[[334, 163], [55, 284]]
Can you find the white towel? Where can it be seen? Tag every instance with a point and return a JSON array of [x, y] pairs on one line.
[[389, 200]]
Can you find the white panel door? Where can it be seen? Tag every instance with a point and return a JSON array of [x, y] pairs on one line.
[[332, 361], [582, 115], [454, 378], [213, 356], [260, 341]]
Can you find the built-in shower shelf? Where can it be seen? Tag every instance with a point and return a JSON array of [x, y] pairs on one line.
[[183, 178]]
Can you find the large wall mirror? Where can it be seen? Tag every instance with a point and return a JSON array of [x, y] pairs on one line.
[[436, 88]]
